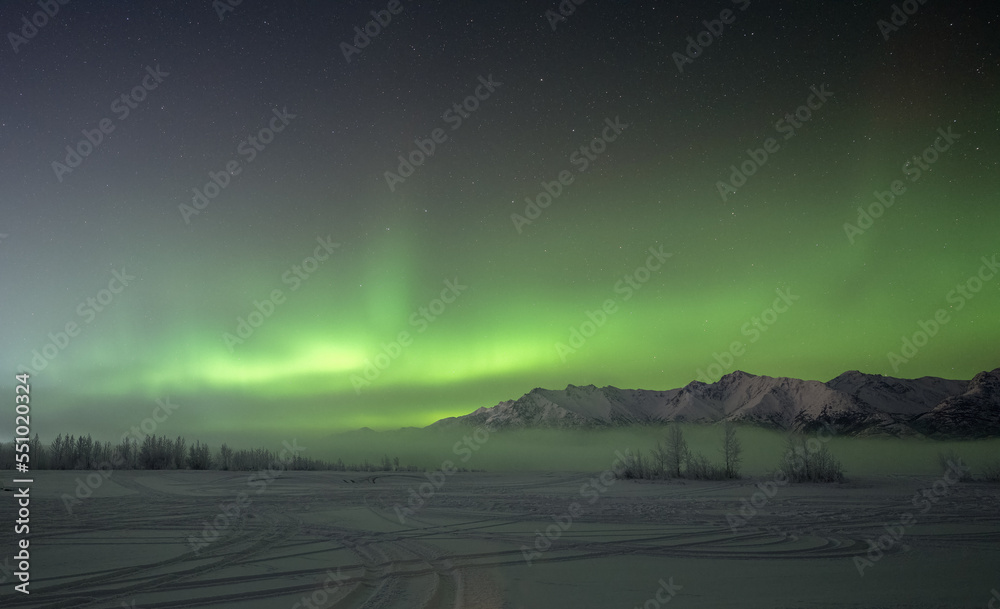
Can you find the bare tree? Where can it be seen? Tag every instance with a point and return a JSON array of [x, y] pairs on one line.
[[677, 450], [225, 457], [179, 453], [658, 459], [39, 455], [732, 450], [83, 452], [199, 456]]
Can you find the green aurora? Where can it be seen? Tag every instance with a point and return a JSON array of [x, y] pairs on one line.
[[328, 356]]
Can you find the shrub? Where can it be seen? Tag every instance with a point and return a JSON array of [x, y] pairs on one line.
[[809, 460], [991, 472], [947, 457], [699, 468]]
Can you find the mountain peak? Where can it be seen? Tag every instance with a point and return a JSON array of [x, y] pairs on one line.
[[986, 380], [736, 376], [852, 376]]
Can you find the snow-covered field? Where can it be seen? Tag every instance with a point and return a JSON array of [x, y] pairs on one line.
[[524, 540]]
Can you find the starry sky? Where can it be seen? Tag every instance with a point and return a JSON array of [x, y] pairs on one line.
[[279, 222]]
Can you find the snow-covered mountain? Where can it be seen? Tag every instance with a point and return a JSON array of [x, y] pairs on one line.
[[974, 413], [858, 403]]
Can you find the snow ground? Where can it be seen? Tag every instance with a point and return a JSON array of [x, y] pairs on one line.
[[128, 544]]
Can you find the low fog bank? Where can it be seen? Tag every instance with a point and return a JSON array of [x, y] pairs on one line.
[[594, 450]]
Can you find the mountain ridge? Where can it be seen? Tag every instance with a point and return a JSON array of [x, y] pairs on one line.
[[857, 403]]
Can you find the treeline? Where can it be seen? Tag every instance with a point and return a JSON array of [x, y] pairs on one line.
[[160, 452]]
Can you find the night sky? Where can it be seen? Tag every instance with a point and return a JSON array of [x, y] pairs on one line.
[[393, 299]]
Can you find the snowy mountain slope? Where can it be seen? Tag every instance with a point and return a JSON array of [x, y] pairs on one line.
[[898, 396], [973, 414]]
